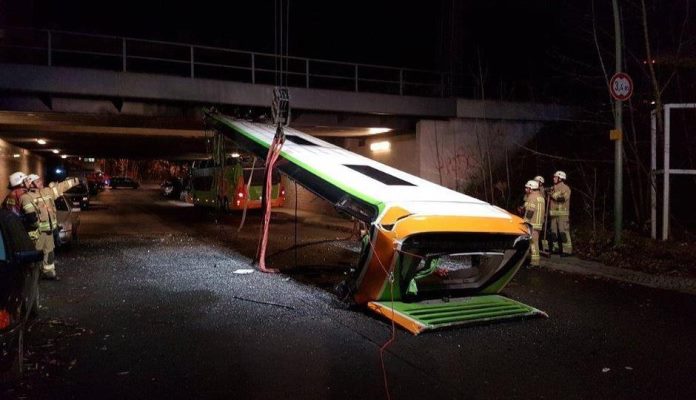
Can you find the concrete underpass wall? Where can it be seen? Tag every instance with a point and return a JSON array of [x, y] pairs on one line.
[[452, 153], [13, 159]]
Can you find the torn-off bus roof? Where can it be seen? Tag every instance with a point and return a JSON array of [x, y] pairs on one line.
[[360, 186]]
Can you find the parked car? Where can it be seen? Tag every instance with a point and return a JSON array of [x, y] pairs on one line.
[[68, 220], [96, 180], [20, 264], [123, 181], [78, 196], [94, 188], [171, 188]]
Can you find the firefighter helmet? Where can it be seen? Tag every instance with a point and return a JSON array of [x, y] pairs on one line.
[[539, 179], [32, 178], [534, 185], [560, 174], [17, 178]]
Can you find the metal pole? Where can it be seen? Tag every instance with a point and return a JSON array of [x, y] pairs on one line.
[[618, 145], [192, 63], [307, 73], [50, 46], [124, 54], [356, 77], [665, 178], [653, 168]]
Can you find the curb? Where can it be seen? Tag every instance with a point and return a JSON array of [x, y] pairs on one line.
[[583, 267]]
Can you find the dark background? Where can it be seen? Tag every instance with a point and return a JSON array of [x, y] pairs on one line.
[[533, 50], [536, 50], [507, 41]]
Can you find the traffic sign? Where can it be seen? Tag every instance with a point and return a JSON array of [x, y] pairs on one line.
[[621, 86]]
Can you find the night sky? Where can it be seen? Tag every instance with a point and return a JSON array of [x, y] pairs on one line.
[[424, 34]]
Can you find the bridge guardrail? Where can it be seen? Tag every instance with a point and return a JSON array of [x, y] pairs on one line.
[[126, 54]]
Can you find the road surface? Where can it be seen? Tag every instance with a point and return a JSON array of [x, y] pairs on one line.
[[149, 307]]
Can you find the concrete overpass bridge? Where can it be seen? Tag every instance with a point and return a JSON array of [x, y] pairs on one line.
[[106, 96]]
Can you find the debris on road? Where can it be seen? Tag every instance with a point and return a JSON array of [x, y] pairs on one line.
[[243, 271]]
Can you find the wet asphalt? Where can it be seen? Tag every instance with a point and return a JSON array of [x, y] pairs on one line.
[[149, 307]]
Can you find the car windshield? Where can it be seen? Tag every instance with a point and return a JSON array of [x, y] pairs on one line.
[[79, 189]]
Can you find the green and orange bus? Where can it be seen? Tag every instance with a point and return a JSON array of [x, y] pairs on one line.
[[225, 187]]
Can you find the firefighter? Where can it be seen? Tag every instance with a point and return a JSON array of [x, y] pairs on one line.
[[17, 189], [541, 181], [559, 212], [43, 202], [21, 202], [534, 209], [520, 208], [544, 243], [49, 194]]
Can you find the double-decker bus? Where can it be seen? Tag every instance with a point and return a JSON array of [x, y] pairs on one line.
[[225, 187]]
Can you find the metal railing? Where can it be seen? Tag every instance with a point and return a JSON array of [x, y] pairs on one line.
[[126, 54]]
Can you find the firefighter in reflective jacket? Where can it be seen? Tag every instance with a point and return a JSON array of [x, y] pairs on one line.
[[17, 189], [48, 195], [538, 178], [559, 212], [43, 202], [21, 202], [534, 208]]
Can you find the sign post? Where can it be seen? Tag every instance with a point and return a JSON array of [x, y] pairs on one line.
[[621, 89]]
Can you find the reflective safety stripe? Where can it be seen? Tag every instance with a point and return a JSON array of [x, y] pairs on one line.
[[539, 216], [557, 213], [45, 226]]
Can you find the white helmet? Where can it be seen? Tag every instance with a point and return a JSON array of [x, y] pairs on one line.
[[539, 179], [560, 174], [534, 185], [31, 178], [17, 178]]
